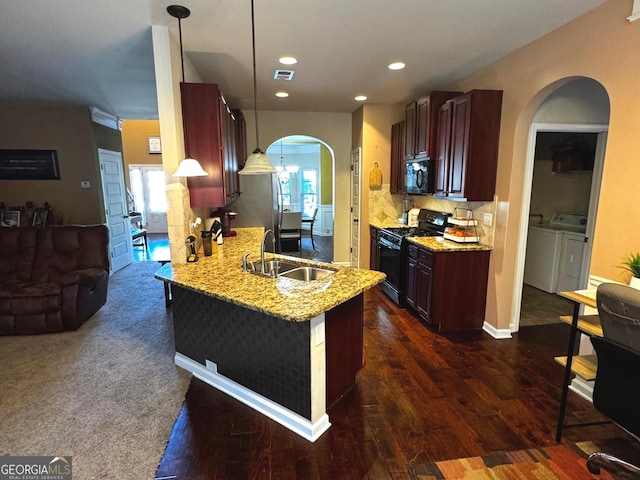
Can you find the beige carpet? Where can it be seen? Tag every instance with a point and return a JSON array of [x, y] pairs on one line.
[[107, 394]]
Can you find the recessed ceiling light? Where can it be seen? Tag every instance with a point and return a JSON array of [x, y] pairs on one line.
[[282, 94], [360, 98], [396, 66], [288, 61]]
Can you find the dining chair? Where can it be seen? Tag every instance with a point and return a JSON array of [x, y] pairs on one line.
[[290, 230], [310, 221], [615, 391]]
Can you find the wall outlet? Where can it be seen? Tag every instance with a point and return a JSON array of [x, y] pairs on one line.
[[488, 219], [85, 184]]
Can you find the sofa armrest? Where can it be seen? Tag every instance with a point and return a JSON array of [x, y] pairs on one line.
[[82, 277]]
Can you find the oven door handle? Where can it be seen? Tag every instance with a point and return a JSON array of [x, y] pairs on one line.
[[386, 243]]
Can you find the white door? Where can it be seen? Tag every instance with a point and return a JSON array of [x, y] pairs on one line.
[[355, 207], [148, 186], [115, 206]]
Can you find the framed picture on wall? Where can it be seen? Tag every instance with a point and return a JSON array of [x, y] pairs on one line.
[[29, 165], [154, 144]]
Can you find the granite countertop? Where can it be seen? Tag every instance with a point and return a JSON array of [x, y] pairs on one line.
[[221, 276], [437, 244]]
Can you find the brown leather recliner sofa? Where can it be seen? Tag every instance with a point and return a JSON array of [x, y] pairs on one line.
[[52, 279]]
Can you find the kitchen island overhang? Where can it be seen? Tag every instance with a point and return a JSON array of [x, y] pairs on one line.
[[287, 355]]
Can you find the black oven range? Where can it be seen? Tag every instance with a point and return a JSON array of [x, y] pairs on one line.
[[392, 248]]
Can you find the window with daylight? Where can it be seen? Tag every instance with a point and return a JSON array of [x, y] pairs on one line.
[[309, 191], [285, 184]]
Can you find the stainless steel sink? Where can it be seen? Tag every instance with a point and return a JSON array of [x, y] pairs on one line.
[[307, 274], [273, 268]]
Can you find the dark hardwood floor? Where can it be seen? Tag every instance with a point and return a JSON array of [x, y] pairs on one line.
[[420, 395]]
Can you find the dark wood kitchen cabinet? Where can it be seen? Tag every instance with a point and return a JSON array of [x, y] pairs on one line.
[[448, 290], [410, 125], [374, 251], [396, 178], [211, 133], [467, 151], [421, 122]]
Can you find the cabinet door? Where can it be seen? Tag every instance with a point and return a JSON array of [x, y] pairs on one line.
[[423, 292], [374, 257], [241, 142], [410, 131], [397, 158], [444, 146], [422, 127], [229, 153], [411, 281], [461, 121], [203, 127]]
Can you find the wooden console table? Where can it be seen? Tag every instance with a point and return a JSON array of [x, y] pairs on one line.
[[584, 366]]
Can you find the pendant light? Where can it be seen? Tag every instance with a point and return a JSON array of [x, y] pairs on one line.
[[257, 163], [189, 167]]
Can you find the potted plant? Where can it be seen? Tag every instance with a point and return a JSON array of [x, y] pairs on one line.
[[632, 264]]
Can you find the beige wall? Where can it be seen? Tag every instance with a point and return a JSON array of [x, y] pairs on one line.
[[68, 130], [334, 130], [376, 148], [601, 45]]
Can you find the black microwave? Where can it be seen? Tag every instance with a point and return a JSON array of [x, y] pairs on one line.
[[419, 176]]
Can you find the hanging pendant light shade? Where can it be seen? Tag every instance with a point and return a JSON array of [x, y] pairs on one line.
[[189, 167], [258, 163]]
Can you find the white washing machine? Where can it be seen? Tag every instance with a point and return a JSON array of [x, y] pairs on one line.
[[554, 253]]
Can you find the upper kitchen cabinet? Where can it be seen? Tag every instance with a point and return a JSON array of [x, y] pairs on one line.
[[467, 151], [397, 158], [421, 123], [410, 125], [212, 133]]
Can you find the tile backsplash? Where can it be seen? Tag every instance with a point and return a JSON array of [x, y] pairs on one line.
[[385, 207]]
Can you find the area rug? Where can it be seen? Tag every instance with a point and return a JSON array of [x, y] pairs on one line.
[[561, 462], [107, 394]]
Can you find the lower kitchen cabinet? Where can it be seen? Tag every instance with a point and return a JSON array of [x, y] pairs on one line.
[[448, 290], [374, 255]]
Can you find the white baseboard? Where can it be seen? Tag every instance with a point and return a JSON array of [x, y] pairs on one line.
[[499, 333], [285, 417]]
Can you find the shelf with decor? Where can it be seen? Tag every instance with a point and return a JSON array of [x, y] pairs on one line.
[[462, 227]]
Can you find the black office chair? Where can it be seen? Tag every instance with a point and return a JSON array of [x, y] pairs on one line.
[[615, 392]]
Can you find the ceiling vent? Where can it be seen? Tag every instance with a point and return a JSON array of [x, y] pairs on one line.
[[283, 75]]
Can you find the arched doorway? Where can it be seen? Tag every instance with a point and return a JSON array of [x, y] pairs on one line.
[[555, 256], [305, 183]]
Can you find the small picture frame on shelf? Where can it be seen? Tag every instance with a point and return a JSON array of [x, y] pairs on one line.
[[154, 144], [10, 218], [39, 218]]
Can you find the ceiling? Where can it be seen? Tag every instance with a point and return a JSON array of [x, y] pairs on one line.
[[99, 53]]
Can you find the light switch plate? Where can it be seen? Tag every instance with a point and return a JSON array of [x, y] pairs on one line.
[[488, 219], [85, 184]]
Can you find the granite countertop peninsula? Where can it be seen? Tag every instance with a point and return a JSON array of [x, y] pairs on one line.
[[221, 276]]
